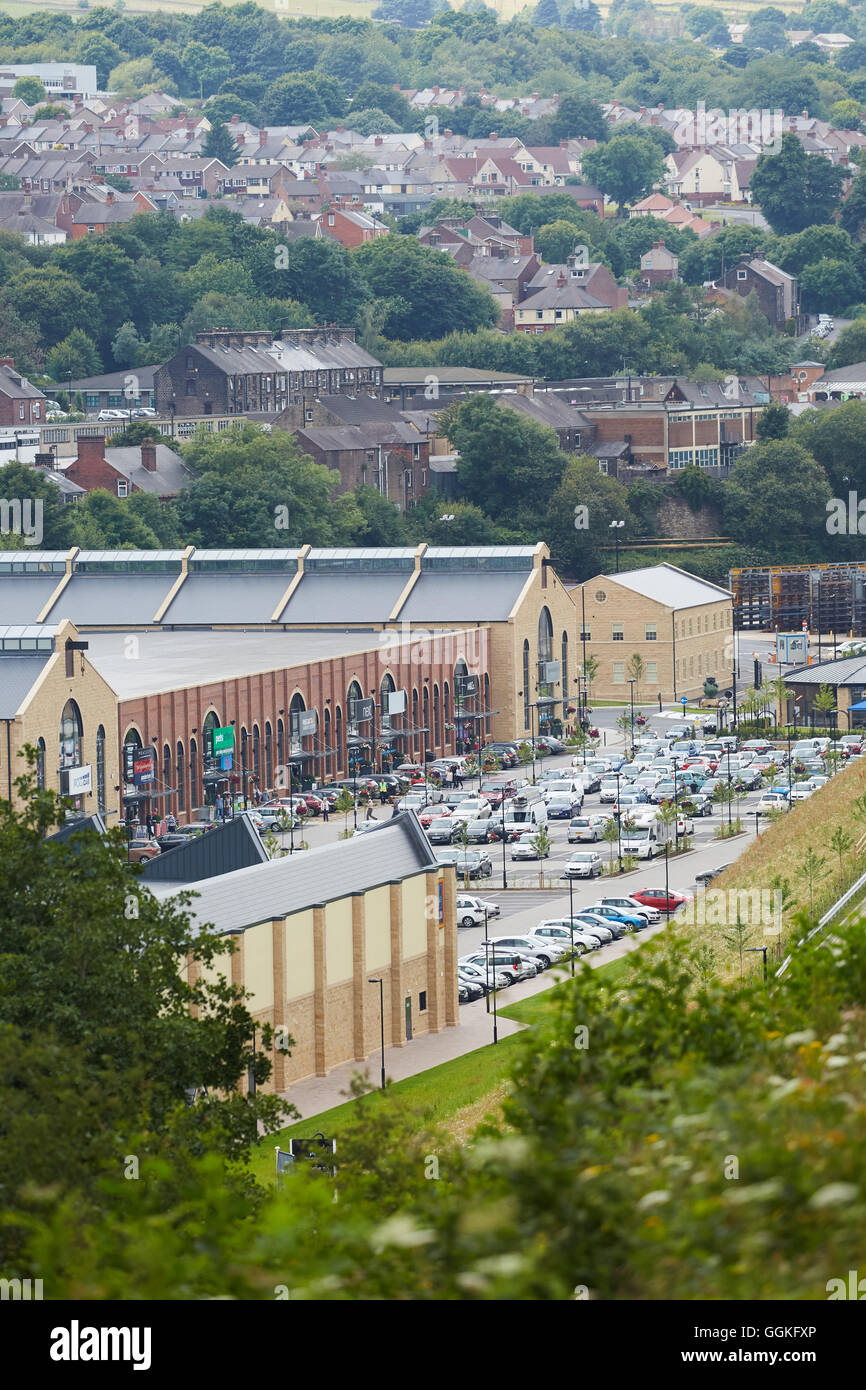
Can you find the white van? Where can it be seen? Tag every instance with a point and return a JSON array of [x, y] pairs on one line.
[[525, 811], [644, 836]]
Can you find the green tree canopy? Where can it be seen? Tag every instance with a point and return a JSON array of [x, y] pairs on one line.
[[506, 461], [626, 168]]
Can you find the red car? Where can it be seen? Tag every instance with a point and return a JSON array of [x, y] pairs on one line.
[[434, 812], [657, 897]]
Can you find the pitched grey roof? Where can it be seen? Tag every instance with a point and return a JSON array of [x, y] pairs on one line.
[[397, 849], [170, 475], [223, 850], [351, 598], [849, 670], [671, 586], [18, 674], [23, 596], [440, 596], [227, 598], [114, 380], [112, 600]]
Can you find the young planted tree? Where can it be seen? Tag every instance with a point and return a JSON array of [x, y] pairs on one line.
[[840, 842], [344, 806], [824, 702], [812, 869], [738, 937], [636, 671], [610, 835]]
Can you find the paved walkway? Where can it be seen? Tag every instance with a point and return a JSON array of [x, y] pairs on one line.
[[475, 1029]]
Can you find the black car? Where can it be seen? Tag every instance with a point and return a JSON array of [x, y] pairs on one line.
[[478, 832], [505, 752], [707, 875]]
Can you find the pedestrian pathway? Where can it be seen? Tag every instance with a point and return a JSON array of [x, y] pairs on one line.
[[319, 1093]]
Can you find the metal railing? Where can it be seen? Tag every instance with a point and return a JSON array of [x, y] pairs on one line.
[[832, 911]]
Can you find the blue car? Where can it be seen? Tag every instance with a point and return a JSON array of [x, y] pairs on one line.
[[616, 914]]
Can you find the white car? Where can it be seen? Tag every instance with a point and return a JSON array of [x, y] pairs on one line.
[[801, 791], [113, 415], [471, 910], [772, 801], [631, 905], [525, 848], [559, 929], [609, 789], [472, 808], [587, 829], [585, 864], [548, 952]]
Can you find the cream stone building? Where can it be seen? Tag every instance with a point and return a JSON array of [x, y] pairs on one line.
[[680, 626], [53, 699], [311, 931]]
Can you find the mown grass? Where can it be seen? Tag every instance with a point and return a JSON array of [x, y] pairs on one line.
[[439, 1094]]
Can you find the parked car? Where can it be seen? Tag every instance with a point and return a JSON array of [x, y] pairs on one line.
[[470, 863], [553, 926], [480, 977], [472, 808], [440, 830], [603, 930], [547, 955], [773, 801], [589, 779], [632, 905], [509, 963], [707, 875], [563, 805], [472, 989], [584, 864], [469, 900], [587, 829], [634, 920], [505, 752], [657, 897], [140, 850], [526, 847]]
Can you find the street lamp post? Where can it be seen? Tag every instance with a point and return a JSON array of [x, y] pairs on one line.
[[487, 944], [571, 917], [675, 765], [763, 950], [730, 785], [616, 527], [378, 980], [502, 837], [667, 884], [618, 824]]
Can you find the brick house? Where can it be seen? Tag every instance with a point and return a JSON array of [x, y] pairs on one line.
[[351, 228], [148, 467], [20, 403], [658, 266], [229, 372], [778, 292]]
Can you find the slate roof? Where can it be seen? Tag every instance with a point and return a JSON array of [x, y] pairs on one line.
[[397, 849], [223, 850], [18, 675]]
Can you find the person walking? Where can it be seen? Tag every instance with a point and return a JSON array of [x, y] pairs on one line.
[[325, 812], [170, 822], [370, 815], [383, 791]]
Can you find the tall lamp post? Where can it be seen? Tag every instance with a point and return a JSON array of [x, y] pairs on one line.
[[667, 884], [616, 527], [675, 765], [490, 945], [502, 837], [378, 980], [571, 915], [618, 824]]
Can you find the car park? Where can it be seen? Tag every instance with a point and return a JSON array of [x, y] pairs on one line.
[[801, 791], [563, 805], [480, 977], [609, 789], [476, 832], [583, 864], [506, 753]]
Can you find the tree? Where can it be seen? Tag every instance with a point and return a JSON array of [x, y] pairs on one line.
[[776, 489], [379, 97], [626, 168], [813, 868], [546, 14], [53, 300], [373, 121], [773, 422], [75, 356], [853, 213], [577, 517], [296, 98], [206, 67], [837, 439], [101, 51], [323, 276], [29, 90], [795, 190], [556, 241], [850, 346], [700, 19], [219, 145], [828, 286], [840, 842], [582, 15], [21, 481], [636, 670], [424, 287], [126, 348], [506, 461], [579, 117]]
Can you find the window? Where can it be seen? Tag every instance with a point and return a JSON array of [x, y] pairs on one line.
[[71, 731], [21, 412], [690, 627], [650, 632], [166, 772], [617, 632], [652, 673], [36, 410], [422, 1002], [40, 763], [678, 458], [526, 685], [416, 451], [436, 732], [423, 477], [586, 635], [181, 779], [619, 673], [122, 487], [706, 458], [193, 773], [741, 275]]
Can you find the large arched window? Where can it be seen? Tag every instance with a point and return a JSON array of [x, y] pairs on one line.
[[387, 747], [415, 720], [436, 731], [338, 740], [426, 720], [564, 675], [281, 744], [486, 702], [101, 804], [354, 731], [257, 754], [327, 744], [166, 774], [244, 755], [296, 709], [269, 755], [545, 635], [193, 774], [446, 707], [40, 763], [181, 779], [71, 734], [211, 722], [526, 694]]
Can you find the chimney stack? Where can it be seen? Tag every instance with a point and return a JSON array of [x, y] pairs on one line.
[[148, 455]]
